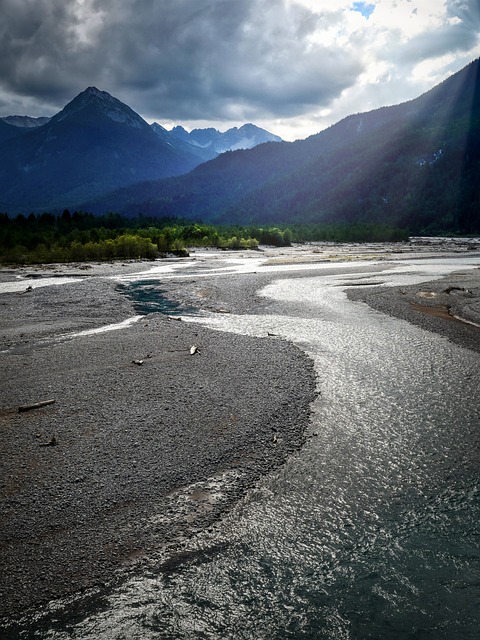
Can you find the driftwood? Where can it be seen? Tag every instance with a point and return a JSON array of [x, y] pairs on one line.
[[193, 350], [35, 405], [27, 290]]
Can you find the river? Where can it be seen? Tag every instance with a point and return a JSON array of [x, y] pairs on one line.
[[371, 530]]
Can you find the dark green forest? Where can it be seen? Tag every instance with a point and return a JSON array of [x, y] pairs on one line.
[[80, 236]]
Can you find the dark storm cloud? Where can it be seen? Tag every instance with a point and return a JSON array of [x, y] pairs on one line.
[[230, 61], [219, 58], [35, 38], [176, 58]]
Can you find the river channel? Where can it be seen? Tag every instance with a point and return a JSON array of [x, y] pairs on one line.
[[371, 530]]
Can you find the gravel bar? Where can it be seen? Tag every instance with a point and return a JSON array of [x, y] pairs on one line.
[[145, 444]]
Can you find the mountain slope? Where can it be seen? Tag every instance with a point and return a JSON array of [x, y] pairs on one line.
[[416, 164], [9, 131], [95, 144]]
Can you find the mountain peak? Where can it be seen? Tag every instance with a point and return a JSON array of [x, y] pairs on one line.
[[102, 102], [94, 91]]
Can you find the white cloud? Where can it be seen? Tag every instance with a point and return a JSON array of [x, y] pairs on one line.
[[408, 17]]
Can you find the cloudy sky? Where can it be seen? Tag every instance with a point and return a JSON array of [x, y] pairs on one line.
[[291, 66]]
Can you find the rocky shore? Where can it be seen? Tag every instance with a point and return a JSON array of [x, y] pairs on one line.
[[145, 442]]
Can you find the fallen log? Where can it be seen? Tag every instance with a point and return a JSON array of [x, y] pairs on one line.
[[35, 405]]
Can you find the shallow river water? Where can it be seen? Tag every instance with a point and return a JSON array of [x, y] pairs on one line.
[[372, 529]]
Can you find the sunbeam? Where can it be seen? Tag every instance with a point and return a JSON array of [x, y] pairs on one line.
[[448, 132]]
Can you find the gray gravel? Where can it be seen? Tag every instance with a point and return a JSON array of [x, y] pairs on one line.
[[146, 454], [438, 306]]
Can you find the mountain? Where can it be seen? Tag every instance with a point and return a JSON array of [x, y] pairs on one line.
[[25, 121], [415, 165], [245, 137], [94, 145], [183, 145]]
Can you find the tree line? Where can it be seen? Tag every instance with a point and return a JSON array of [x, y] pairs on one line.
[[81, 236]]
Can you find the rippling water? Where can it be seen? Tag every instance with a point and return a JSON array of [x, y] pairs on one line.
[[370, 531]]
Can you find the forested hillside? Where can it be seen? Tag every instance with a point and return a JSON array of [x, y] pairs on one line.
[[414, 165]]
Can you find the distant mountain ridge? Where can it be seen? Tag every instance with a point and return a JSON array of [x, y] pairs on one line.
[[94, 145], [245, 137], [202, 154], [415, 165], [25, 121]]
